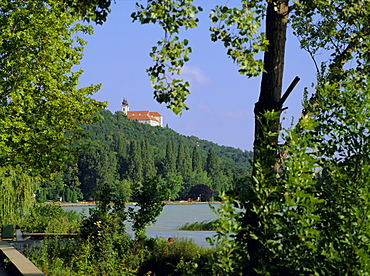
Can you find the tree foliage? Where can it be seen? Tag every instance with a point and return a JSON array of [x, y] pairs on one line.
[[201, 192], [147, 152], [106, 155], [17, 190], [196, 161], [150, 197], [97, 166], [213, 169], [51, 218], [41, 108], [169, 162], [142, 151], [174, 183], [95, 10], [184, 161], [135, 162], [171, 52], [305, 219]]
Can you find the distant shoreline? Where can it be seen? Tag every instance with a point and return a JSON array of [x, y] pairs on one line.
[[92, 203]]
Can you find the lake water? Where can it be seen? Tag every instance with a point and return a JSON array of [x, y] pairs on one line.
[[171, 218]]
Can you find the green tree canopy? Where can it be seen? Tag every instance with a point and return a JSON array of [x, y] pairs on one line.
[[135, 164], [97, 166], [16, 194], [41, 108], [183, 161], [149, 168], [213, 169], [196, 161], [169, 163]]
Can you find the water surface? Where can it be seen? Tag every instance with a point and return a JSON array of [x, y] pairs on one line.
[[172, 217]]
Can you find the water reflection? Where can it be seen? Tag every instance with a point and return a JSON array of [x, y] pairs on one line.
[[171, 218]]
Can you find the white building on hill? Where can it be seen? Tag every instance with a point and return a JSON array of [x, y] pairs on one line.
[[144, 117]]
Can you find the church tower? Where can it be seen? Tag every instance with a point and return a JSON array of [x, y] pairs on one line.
[[125, 107]]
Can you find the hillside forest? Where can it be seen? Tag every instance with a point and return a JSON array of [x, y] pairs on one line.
[[123, 153]]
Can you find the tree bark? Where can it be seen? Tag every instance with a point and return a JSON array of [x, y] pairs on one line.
[[270, 95], [272, 78]]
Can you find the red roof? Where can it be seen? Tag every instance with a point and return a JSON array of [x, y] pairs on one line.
[[141, 113], [155, 114], [142, 118], [137, 113]]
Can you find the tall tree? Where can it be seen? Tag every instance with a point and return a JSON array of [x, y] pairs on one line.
[[97, 166], [70, 179], [149, 168], [119, 145], [183, 164], [120, 148], [41, 108], [135, 162], [213, 169], [197, 164], [150, 199], [169, 162]]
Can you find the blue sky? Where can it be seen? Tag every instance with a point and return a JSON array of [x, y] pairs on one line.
[[221, 101]]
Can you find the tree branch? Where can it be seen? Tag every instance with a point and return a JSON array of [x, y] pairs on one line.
[[288, 91]]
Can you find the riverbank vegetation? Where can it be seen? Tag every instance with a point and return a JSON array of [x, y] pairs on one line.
[[103, 247], [205, 225], [125, 256], [51, 218]]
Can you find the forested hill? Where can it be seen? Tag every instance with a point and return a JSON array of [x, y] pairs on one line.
[[122, 152], [116, 126]]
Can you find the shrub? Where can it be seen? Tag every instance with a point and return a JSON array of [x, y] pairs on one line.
[[51, 218], [201, 191], [172, 258]]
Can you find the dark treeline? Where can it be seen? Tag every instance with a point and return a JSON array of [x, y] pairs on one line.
[[124, 153]]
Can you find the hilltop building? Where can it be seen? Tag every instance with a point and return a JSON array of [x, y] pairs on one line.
[[144, 117]]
